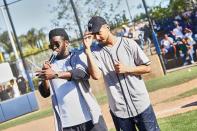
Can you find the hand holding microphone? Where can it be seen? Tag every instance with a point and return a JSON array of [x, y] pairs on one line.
[[46, 71], [52, 58]]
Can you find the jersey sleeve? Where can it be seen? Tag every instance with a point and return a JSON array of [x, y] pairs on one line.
[[139, 56], [79, 66]]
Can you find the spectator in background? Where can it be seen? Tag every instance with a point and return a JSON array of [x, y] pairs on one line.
[[188, 34], [177, 31], [147, 37], [3, 93], [178, 18], [147, 41], [190, 50], [126, 31], [168, 46], [187, 23], [194, 21], [141, 41], [21, 84], [14, 91], [186, 49]]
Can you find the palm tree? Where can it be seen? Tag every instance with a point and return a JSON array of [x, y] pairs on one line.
[[182, 5], [41, 36], [32, 37], [4, 39]]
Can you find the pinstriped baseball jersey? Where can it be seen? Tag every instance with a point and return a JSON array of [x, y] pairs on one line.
[[127, 93]]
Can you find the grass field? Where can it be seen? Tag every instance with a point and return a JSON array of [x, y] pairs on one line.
[[171, 79], [26, 118], [183, 122]]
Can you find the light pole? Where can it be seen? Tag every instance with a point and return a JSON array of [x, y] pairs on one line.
[[19, 48], [128, 10], [77, 18], [155, 40]]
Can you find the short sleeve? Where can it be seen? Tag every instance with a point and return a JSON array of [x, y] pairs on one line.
[[139, 56], [79, 66]]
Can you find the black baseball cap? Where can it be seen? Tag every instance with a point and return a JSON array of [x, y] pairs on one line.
[[95, 24], [58, 32]]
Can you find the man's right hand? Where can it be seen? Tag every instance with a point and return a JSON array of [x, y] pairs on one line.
[[87, 40], [46, 65]]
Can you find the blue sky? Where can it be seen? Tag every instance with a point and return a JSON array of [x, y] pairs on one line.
[[36, 13], [29, 13]]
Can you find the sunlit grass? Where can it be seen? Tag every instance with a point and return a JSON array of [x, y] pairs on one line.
[[26, 118], [172, 79], [182, 122]]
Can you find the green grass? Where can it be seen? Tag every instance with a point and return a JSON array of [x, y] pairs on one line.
[[113, 129], [27, 118], [183, 122], [101, 97], [188, 93], [172, 79], [183, 95]]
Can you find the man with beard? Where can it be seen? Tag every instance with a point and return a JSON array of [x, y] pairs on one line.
[[66, 79]]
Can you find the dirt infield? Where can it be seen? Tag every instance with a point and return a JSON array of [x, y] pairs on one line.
[[161, 108]]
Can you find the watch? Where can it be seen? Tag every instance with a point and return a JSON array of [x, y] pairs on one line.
[[56, 75]]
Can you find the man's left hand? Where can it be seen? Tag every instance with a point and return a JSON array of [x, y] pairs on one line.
[[121, 68], [47, 74]]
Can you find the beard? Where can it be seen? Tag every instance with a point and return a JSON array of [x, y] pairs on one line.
[[63, 53]]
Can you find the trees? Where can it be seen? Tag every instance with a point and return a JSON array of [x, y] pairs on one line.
[[174, 8], [28, 42], [6, 44], [182, 5], [85, 9], [32, 37], [177, 6]]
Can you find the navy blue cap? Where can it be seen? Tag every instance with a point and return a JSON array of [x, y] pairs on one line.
[[95, 24]]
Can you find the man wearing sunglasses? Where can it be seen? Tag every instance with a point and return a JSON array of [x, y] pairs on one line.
[[122, 63], [66, 80]]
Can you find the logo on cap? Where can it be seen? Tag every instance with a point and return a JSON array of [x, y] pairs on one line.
[[90, 25]]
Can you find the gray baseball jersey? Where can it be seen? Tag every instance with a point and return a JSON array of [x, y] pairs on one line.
[[127, 93]]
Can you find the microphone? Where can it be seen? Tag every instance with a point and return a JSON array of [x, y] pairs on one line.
[[53, 56]]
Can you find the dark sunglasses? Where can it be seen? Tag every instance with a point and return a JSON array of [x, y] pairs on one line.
[[52, 46]]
